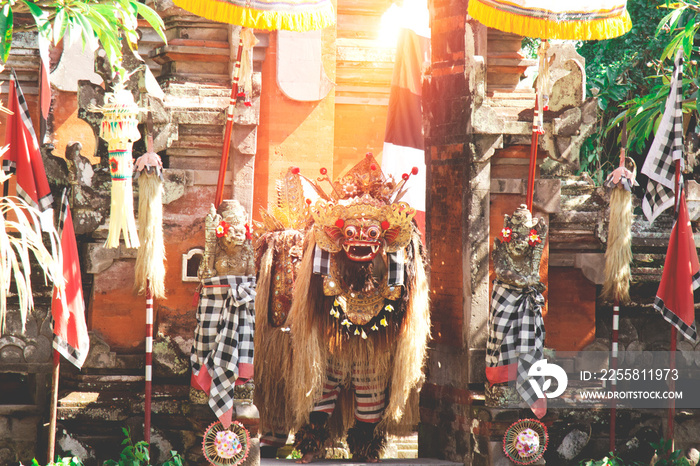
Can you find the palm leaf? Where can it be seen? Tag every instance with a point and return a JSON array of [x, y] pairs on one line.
[[20, 238]]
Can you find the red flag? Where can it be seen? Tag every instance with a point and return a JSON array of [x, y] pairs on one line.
[[403, 141], [24, 156], [68, 308], [681, 276]]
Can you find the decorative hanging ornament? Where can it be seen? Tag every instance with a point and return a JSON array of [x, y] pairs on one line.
[[119, 129], [150, 258], [226, 447], [525, 441]]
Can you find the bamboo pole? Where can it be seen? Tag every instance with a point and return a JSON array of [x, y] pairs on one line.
[[674, 330], [53, 409]]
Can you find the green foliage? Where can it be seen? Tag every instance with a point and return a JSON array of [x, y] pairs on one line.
[[94, 22], [616, 70], [66, 461], [612, 460], [663, 457], [676, 31], [133, 454], [136, 454], [666, 457], [631, 76]]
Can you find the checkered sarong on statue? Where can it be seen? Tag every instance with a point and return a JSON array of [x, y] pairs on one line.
[[516, 333], [666, 148], [223, 339]]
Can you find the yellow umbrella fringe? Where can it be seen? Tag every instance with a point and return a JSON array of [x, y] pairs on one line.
[[599, 29], [258, 19]]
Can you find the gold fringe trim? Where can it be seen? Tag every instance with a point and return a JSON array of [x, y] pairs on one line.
[[150, 257], [301, 21], [606, 28], [618, 254]]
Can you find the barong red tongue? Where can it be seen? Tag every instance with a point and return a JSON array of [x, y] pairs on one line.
[[681, 276]]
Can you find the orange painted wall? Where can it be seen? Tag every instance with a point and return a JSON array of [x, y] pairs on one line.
[[358, 129], [570, 320], [119, 315], [292, 133]]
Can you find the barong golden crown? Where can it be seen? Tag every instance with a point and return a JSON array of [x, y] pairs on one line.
[[363, 193]]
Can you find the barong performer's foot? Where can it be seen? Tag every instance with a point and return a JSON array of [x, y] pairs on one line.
[[310, 439], [366, 442]]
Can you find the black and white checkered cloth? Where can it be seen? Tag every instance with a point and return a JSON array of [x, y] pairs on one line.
[[396, 268], [223, 338], [516, 333], [666, 148], [322, 261], [688, 331]]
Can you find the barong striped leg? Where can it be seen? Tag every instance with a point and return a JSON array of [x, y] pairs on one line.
[[369, 391]]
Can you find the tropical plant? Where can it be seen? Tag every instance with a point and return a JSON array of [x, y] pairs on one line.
[[616, 70], [677, 31], [611, 460], [136, 454], [65, 461], [663, 456], [20, 235], [666, 456], [102, 22]]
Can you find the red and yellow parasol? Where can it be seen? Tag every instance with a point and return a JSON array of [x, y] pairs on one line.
[[554, 19], [551, 19], [289, 15]]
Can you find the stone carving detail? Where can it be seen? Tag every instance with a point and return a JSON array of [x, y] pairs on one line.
[[517, 253], [227, 250]]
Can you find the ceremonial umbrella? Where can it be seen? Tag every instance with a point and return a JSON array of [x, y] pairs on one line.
[[289, 15], [551, 19]]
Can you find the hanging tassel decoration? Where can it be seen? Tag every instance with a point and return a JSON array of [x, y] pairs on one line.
[[618, 254], [246, 70], [150, 258], [119, 129]]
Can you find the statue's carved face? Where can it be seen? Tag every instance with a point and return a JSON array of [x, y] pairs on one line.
[[234, 236], [519, 244], [361, 239]]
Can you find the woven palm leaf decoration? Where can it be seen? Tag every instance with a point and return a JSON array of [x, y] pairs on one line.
[[525, 441], [226, 446], [119, 129]]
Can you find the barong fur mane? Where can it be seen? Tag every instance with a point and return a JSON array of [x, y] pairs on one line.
[[398, 352], [271, 372]]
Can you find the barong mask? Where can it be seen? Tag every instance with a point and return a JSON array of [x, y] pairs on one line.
[[362, 215]]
